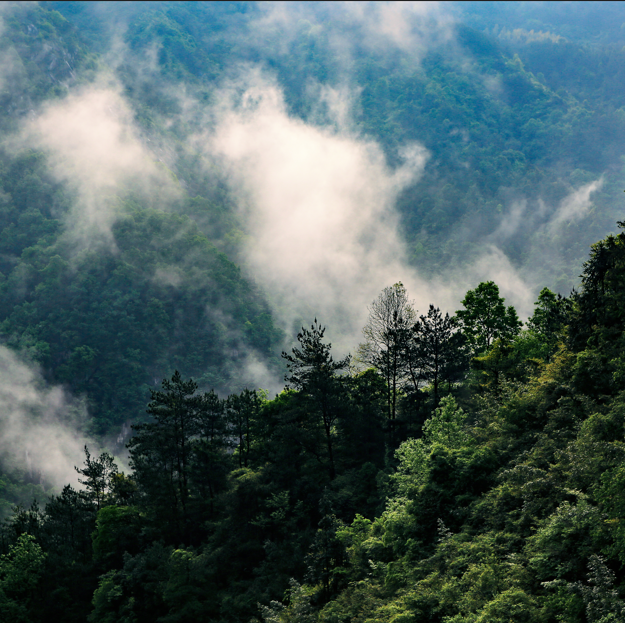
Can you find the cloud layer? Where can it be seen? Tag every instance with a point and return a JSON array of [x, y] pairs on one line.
[[94, 148], [319, 204], [40, 428]]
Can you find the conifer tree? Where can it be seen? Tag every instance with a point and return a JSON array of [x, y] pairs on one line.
[[161, 452], [438, 348], [313, 372]]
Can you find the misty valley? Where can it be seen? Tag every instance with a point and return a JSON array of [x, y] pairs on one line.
[[312, 312]]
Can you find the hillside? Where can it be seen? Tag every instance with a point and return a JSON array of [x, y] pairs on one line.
[[473, 473], [185, 187]]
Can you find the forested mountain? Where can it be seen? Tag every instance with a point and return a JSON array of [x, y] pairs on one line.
[[188, 190], [472, 473]]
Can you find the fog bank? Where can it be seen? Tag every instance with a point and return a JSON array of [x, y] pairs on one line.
[[41, 426]]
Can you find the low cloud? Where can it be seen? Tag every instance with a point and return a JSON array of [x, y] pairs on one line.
[[40, 428], [512, 221], [257, 374], [319, 204], [574, 206], [494, 265], [94, 148], [12, 71], [412, 27], [544, 233]]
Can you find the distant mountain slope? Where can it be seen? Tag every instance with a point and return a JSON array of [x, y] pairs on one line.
[[109, 317], [529, 161], [498, 134]]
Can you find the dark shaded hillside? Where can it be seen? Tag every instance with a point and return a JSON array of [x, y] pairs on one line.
[[106, 321], [107, 325]]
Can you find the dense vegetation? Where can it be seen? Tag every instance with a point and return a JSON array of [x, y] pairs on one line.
[[526, 141], [473, 473], [508, 117], [109, 319], [463, 468]]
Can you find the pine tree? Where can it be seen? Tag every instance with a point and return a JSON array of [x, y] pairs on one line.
[[313, 372]]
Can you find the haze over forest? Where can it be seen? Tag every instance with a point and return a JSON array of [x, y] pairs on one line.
[[188, 187]]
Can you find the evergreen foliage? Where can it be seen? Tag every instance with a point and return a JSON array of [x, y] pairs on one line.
[[506, 507], [471, 470]]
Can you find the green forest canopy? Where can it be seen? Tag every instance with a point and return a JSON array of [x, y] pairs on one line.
[[469, 470], [491, 492], [529, 141]]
